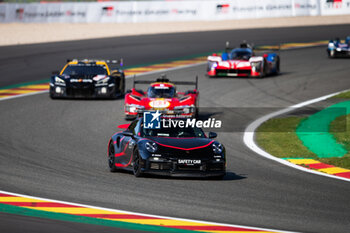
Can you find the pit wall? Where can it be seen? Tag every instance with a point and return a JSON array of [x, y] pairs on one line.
[[163, 11]]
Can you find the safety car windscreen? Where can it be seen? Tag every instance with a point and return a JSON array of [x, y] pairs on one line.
[[175, 132]]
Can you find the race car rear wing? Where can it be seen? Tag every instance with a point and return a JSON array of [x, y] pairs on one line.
[[244, 44], [115, 61], [163, 79], [264, 48]]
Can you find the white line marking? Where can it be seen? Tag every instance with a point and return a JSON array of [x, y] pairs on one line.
[[249, 132], [141, 214]]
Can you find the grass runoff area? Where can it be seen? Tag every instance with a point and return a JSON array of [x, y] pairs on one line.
[[278, 137]]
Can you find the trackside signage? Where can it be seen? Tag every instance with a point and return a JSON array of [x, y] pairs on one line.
[[161, 11], [153, 120]]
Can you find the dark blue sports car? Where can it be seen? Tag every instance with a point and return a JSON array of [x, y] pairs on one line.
[[175, 151], [338, 49]]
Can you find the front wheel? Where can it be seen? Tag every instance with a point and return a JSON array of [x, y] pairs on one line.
[[263, 70], [278, 66], [136, 165], [111, 158]]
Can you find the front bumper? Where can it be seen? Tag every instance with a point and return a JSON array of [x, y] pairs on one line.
[[88, 91], [170, 167], [233, 73], [341, 53], [167, 112]]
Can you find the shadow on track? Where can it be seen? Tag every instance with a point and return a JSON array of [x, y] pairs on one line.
[[230, 176]]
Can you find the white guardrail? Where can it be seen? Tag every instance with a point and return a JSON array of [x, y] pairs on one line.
[[157, 11]]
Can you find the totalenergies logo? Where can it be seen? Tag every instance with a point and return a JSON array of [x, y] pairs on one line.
[[107, 10], [334, 3], [222, 8], [19, 13]]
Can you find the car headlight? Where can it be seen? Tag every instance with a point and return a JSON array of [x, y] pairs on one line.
[[213, 65], [151, 147], [256, 66], [59, 80], [133, 107], [217, 148], [105, 80]]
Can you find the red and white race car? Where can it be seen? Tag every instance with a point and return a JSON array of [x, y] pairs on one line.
[[243, 62], [162, 96]]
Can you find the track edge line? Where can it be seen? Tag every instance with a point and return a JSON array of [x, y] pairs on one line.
[[249, 132]]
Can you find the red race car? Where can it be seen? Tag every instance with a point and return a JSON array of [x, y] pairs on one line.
[[243, 62], [163, 96]]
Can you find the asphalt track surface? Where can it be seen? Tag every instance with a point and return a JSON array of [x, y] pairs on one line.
[[57, 149]]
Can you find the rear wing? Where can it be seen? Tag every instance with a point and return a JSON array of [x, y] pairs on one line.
[[244, 44], [262, 48], [119, 62], [163, 79]]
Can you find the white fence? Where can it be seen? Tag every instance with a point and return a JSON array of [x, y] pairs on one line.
[[153, 11]]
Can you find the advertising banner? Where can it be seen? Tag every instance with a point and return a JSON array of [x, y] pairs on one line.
[[160, 11], [335, 7]]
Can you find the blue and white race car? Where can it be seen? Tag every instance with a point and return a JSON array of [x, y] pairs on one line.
[[243, 62], [338, 49]]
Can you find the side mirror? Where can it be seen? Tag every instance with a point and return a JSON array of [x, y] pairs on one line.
[[56, 72], [128, 134], [212, 135]]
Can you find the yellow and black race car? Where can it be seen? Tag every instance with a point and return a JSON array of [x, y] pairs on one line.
[[88, 79]]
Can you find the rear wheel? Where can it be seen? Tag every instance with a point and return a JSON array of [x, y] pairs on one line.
[[111, 158], [136, 165]]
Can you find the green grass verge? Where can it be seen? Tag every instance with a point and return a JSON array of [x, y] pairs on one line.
[[344, 95], [277, 136], [342, 137]]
